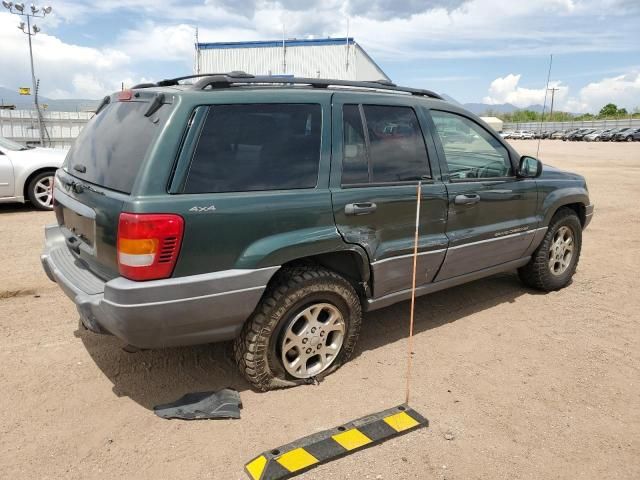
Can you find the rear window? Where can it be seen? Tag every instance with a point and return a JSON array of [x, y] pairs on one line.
[[253, 147], [111, 147]]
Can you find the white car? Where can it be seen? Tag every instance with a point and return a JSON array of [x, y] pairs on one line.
[[27, 173]]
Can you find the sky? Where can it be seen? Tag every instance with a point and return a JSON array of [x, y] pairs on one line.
[[490, 51]]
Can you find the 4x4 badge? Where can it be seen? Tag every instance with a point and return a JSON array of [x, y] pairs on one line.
[[210, 208]]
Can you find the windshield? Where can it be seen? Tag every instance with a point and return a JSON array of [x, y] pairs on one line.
[[112, 146], [11, 145]]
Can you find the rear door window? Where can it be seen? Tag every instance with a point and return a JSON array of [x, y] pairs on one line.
[[252, 147], [112, 146], [389, 148]]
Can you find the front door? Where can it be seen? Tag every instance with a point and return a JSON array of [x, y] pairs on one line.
[[379, 154], [492, 213], [6, 175]]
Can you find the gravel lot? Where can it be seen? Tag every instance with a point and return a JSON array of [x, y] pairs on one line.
[[516, 384]]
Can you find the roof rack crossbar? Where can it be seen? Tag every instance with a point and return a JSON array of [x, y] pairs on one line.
[[226, 80], [170, 82]]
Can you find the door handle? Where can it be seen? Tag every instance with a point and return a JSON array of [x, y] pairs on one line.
[[363, 208], [467, 199]]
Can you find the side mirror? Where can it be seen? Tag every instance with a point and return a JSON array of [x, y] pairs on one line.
[[529, 167]]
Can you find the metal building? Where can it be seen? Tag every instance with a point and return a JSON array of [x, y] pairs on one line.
[[335, 58]]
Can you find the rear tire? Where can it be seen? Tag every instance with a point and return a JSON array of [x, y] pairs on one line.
[[40, 191], [304, 328], [554, 262]]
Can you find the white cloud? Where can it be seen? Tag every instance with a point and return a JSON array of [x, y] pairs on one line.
[[507, 90], [623, 90], [65, 70]]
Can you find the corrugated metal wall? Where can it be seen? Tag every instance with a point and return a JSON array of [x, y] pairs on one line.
[[315, 61]]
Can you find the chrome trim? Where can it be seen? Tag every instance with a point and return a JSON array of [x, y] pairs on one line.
[[69, 202], [186, 299], [408, 255], [513, 235]]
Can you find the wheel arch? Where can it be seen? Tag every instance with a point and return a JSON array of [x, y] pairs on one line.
[[31, 176], [350, 263], [575, 199]]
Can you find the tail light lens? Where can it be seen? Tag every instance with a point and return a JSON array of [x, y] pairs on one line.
[[148, 245]]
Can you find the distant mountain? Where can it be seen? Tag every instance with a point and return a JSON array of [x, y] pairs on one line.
[[482, 108], [12, 97]]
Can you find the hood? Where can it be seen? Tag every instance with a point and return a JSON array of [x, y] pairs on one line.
[[50, 156], [550, 172]]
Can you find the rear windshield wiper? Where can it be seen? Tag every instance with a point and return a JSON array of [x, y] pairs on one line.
[[155, 105], [105, 101]]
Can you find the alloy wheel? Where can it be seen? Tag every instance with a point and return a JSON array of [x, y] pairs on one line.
[[43, 192], [561, 251], [312, 340]]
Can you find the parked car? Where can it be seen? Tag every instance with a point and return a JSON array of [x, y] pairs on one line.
[[579, 134], [608, 135], [558, 135], [568, 134], [239, 208], [521, 135], [626, 135], [26, 173], [593, 136]]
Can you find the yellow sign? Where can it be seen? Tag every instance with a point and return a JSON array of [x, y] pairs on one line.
[[24, 91]]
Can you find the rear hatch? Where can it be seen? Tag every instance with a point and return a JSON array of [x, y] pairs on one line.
[[99, 175]]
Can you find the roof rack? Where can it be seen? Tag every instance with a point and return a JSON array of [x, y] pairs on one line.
[[225, 80], [170, 82]]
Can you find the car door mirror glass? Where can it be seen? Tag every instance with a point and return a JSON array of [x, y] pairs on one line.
[[529, 167]]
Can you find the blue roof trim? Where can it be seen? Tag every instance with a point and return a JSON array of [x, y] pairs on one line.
[[278, 43]]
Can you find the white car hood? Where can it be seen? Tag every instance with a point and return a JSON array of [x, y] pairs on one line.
[[50, 156]]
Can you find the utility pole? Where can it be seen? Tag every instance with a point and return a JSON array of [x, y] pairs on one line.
[[553, 94], [19, 9]]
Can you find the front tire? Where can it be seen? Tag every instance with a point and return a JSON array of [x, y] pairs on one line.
[[304, 328], [40, 191], [554, 262]]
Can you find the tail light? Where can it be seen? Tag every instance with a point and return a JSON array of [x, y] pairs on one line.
[[148, 245]]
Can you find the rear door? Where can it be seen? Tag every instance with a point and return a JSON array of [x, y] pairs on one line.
[[492, 213], [379, 153]]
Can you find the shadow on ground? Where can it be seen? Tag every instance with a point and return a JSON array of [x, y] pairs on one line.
[[17, 208], [153, 377]]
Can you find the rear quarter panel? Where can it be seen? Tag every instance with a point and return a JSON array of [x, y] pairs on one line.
[[241, 229]]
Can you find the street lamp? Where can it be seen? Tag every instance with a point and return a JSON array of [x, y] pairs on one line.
[[19, 9]]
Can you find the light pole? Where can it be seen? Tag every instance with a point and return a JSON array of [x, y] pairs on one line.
[[36, 12]]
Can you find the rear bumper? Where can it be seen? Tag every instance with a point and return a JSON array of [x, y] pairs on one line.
[[159, 313]]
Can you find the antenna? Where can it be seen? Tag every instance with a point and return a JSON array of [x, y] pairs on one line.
[[197, 52], [347, 49], [544, 106], [284, 50]]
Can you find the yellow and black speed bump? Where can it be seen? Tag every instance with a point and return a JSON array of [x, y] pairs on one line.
[[308, 452]]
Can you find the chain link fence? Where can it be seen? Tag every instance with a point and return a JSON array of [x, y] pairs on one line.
[[597, 124]]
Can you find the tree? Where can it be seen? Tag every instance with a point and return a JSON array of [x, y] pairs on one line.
[[609, 110]]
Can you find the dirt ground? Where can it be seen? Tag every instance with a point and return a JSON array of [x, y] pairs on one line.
[[516, 384]]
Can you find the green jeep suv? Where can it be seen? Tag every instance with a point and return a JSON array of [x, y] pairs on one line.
[[274, 211]]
